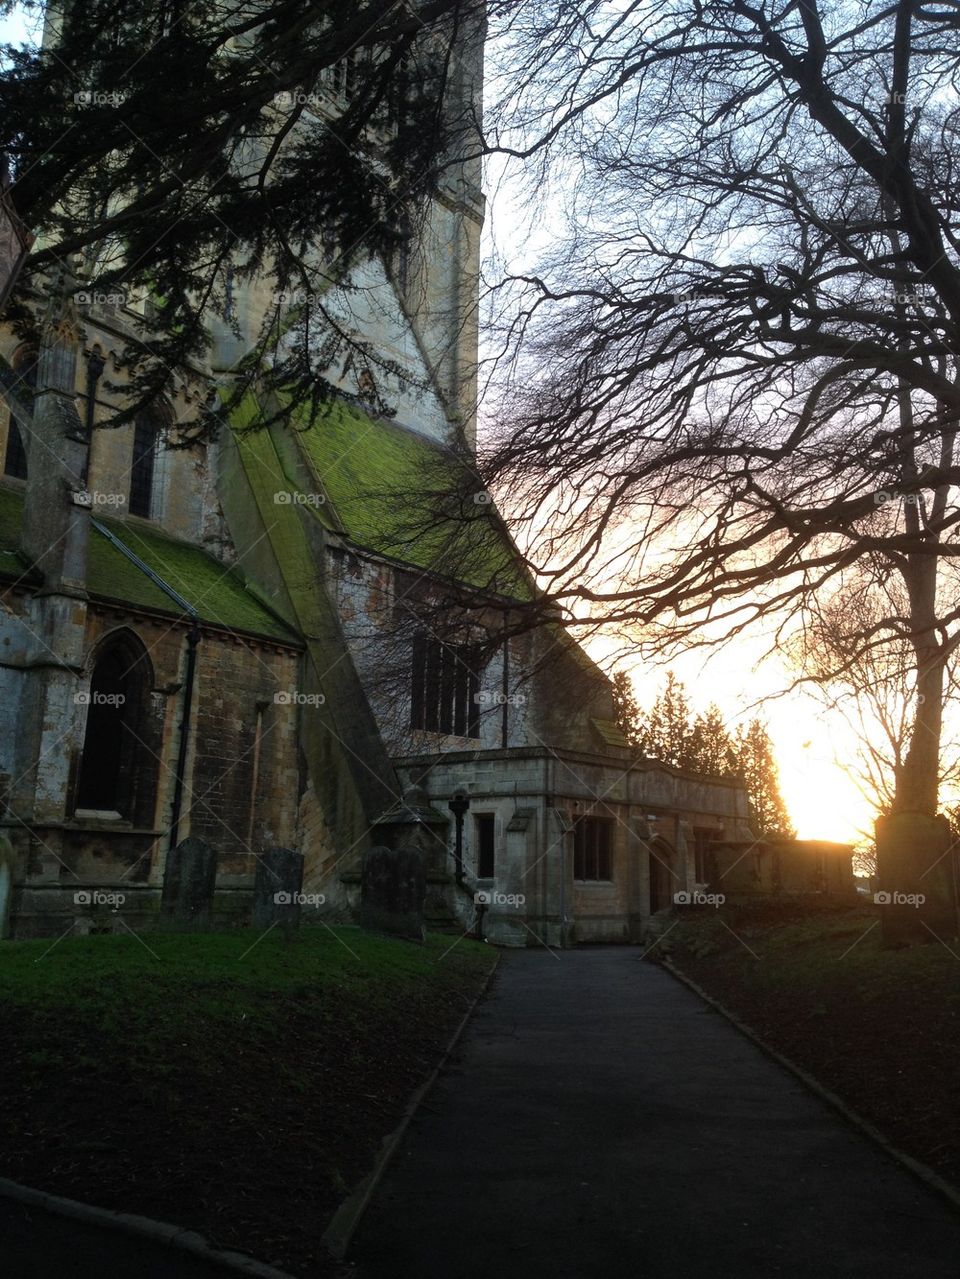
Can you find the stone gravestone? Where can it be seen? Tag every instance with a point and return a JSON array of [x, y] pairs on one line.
[[393, 890], [189, 880], [6, 886], [277, 887], [414, 824], [915, 868]]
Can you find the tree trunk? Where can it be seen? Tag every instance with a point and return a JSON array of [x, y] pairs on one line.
[[918, 779], [915, 858]]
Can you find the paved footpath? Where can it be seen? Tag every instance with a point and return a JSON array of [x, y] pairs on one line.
[[601, 1120]]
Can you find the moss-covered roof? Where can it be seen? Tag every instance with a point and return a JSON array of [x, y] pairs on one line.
[[215, 591], [11, 518], [285, 531], [392, 491], [610, 732]]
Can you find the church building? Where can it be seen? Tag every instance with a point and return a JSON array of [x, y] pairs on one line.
[[260, 641]]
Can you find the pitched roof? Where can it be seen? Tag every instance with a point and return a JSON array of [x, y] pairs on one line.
[[610, 732], [393, 491], [216, 591]]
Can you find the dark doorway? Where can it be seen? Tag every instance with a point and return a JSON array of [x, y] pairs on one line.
[[15, 459], [24, 383], [485, 827], [661, 878]]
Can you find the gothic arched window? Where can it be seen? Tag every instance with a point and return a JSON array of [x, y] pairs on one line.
[[146, 433], [116, 763]]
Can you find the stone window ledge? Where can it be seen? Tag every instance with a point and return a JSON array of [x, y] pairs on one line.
[[93, 825]]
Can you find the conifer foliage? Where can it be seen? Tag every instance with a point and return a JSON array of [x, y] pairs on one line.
[[671, 733], [172, 150]]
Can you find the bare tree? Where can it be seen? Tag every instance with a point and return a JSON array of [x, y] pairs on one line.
[[861, 674], [737, 375]]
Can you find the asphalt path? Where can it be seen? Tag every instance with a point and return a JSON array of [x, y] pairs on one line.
[[599, 1119]]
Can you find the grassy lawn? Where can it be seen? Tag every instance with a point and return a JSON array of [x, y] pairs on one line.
[[881, 1028], [236, 1084]]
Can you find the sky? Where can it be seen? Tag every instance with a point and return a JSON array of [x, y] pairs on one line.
[[13, 29], [810, 745]]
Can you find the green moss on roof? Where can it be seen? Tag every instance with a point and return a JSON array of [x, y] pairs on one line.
[[283, 526], [389, 490], [610, 732], [12, 564], [216, 592]]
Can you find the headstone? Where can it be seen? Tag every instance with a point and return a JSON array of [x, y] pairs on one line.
[[6, 886], [277, 888], [414, 823], [189, 880], [917, 893], [393, 890]]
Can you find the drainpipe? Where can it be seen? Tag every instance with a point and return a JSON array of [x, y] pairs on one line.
[[505, 687], [179, 781], [459, 805], [563, 888], [193, 639]]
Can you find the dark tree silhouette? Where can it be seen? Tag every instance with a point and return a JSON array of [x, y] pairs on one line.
[[175, 150], [669, 731], [754, 762], [737, 375], [626, 708]]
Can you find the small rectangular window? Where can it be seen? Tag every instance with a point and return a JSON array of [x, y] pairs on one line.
[[340, 78], [593, 848], [485, 825]]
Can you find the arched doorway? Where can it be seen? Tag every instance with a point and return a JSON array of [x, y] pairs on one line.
[[660, 858]]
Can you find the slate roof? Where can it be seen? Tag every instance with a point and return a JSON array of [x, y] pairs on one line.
[[217, 592], [610, 732], [388, 490]]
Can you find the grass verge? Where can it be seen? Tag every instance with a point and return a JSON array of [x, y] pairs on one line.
[[236, 1084], [880, 1028]]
